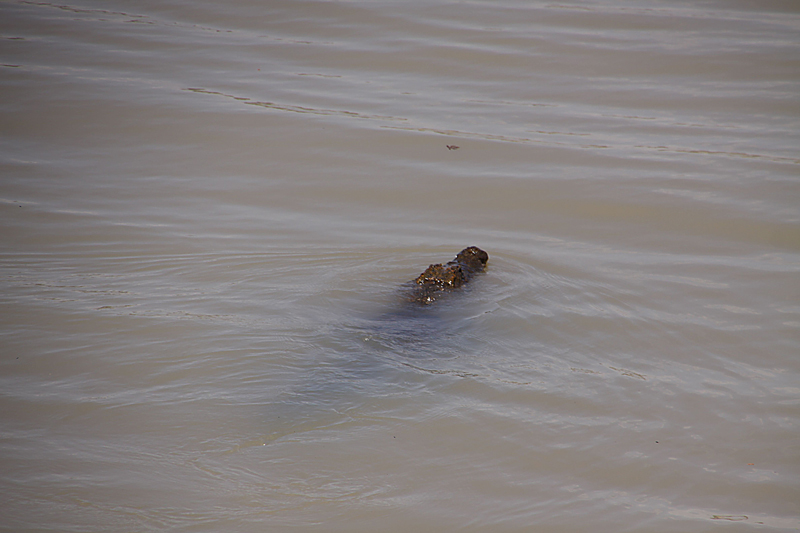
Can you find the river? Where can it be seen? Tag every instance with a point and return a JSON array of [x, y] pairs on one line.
[[208, 210]]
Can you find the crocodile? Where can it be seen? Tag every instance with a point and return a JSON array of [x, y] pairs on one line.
[[439, 279], [405, 337]]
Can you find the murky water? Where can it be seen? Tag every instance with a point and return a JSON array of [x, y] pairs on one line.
[[208, 210]]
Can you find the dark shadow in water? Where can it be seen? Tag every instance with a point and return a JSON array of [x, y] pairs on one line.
[[366, 362]]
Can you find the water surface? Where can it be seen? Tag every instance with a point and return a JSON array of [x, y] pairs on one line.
[[208, 210]]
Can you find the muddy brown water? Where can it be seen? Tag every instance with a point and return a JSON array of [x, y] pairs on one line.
[[208, 208]]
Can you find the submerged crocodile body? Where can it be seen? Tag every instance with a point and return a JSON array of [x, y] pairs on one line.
[[412, 333], [439, 279]]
